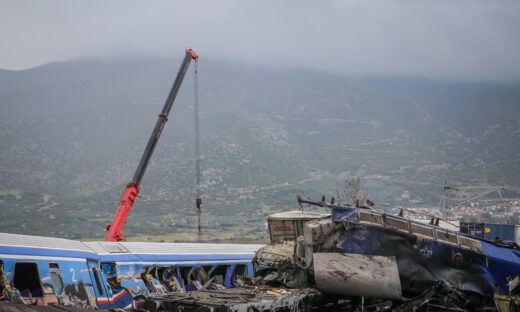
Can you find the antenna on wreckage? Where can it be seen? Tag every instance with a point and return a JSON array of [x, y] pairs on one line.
[[447, 187]]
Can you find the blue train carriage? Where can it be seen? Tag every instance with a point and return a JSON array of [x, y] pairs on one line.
[[151, 269], [425, 253], [43, 270], [111, 274]]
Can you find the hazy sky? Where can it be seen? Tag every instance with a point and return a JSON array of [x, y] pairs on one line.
[[477, 40]]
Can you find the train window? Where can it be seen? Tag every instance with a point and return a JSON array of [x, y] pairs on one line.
[[27, 279], [207, 268], [185, 271], [56, 279], [241, 270], [171, 279], [198, 277], [219, 273], [110, 271]]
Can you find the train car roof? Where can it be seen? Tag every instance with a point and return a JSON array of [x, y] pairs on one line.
[[28, 245], [170, 248], [172, 253], [19, 240]]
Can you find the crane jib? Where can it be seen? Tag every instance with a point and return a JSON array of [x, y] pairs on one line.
[[163, 117], [132, 189]]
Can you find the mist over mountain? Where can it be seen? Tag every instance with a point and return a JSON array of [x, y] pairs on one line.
[[72, 134]]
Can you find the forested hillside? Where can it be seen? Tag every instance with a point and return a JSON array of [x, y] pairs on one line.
[[72, 133]]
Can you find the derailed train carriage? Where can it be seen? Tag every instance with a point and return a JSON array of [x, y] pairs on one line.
[[43, 270], [414, 256], [359, 252]]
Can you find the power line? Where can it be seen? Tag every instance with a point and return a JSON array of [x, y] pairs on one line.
[[198, 201]]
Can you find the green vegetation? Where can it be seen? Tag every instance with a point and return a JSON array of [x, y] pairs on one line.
[[72, 134]]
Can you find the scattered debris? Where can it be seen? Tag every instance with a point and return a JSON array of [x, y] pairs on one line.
[[506, 303], [19, 307], [440, 297], [246, 298], [279, 265]]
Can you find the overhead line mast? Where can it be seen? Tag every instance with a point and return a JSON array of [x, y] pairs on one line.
[[132, 189]]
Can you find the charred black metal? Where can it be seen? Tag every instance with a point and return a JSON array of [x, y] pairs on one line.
[[440, 297], [243, 299]]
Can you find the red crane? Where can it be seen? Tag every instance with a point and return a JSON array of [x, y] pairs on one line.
[[132, 189]]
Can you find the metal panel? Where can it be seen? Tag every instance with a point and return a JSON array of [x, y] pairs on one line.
[[357, 275], [447, 236], [470, 243], [370, 218], [289, 225], [422, 230], [115, 248], [502, 231], [490, 231], [397, 224]]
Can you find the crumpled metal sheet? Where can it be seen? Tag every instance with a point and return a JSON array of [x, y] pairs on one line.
[[506, 303], [276, 265], [422, 262], [357, 275], [440, 297], [243, 299], [17, 307]]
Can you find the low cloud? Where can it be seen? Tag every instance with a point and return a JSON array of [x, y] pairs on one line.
[[446, 40]]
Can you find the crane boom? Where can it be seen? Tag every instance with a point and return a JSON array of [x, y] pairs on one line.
[[132, 189]]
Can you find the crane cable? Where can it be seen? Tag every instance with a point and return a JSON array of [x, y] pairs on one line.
[[198, 201]]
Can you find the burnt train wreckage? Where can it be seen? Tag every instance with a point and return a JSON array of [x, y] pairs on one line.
[[359, 259], [356, 252], [356, 259], [332, 261]]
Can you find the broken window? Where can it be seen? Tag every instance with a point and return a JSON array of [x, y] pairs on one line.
[[207, 268], [185, 272], [56, 279], [171, 279], [3, 281], [198, 278], [110, 271], [148, 274], [241, 270], [222, 275], [27, 279]]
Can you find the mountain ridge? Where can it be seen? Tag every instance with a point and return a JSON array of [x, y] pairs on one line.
[[73, 132]]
